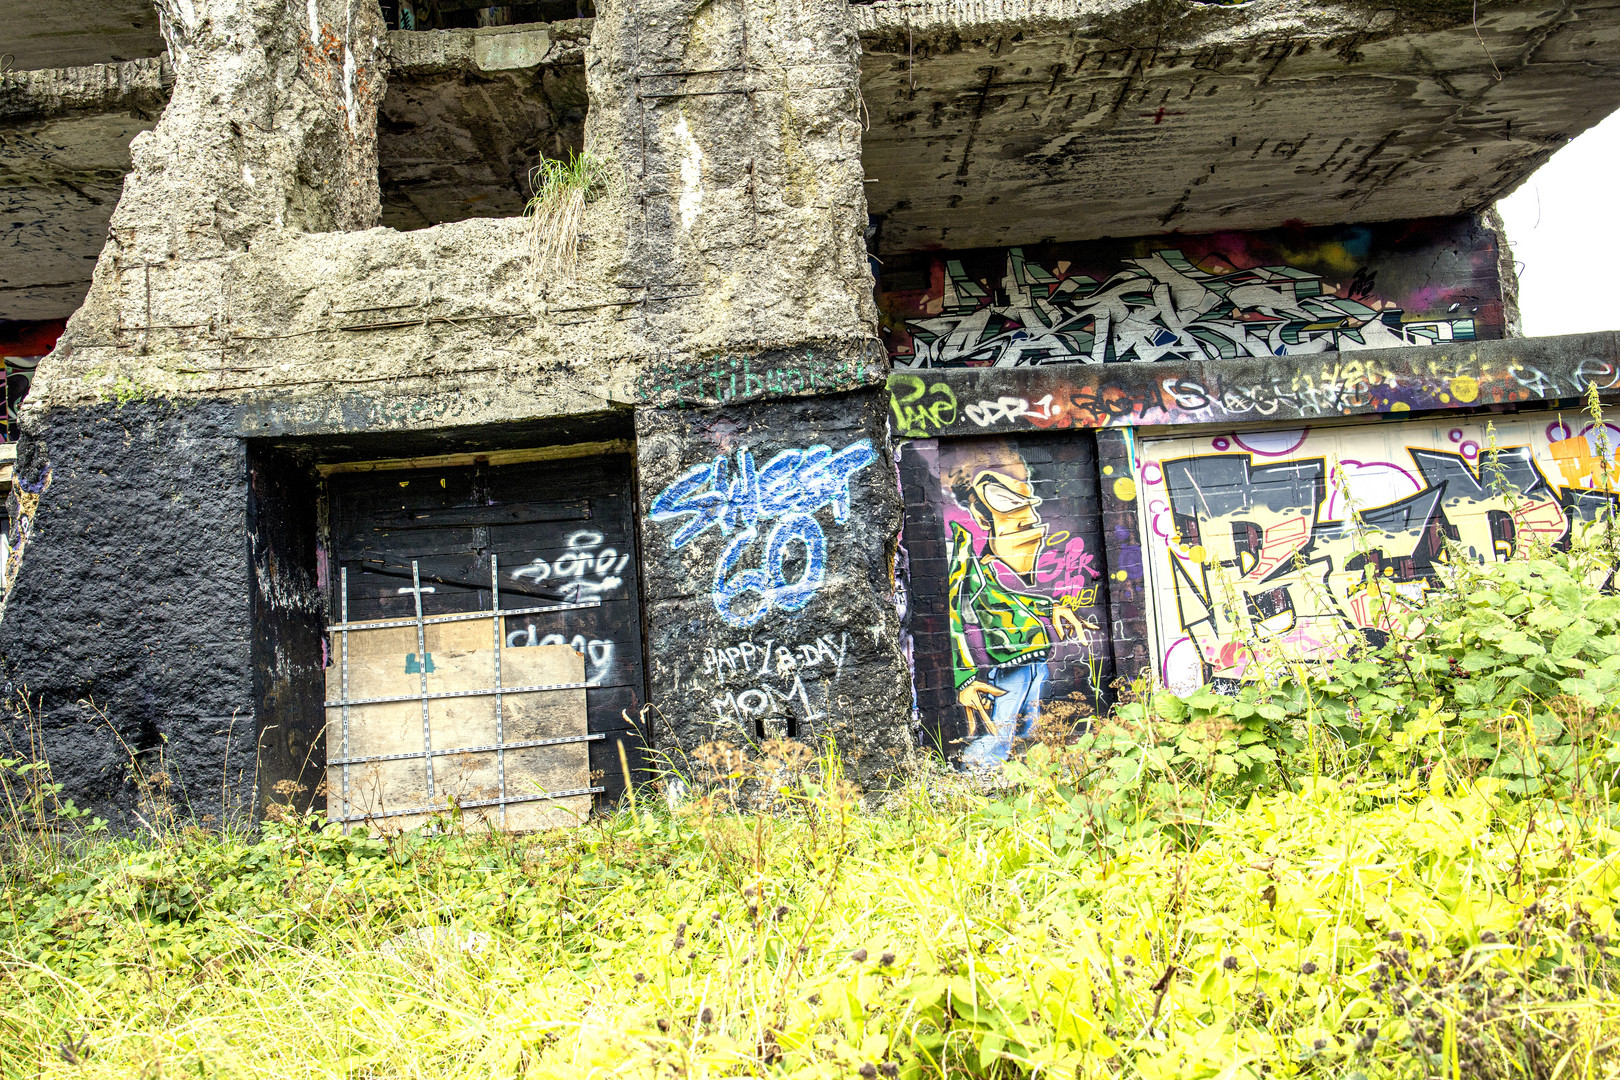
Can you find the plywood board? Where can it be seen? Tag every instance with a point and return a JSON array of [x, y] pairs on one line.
[[384, 662]]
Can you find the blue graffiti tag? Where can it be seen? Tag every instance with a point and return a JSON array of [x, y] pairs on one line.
[[739, 497]]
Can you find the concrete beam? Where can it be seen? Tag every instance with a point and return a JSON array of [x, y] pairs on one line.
[[491, 49], [41, 34], [1276, 390]]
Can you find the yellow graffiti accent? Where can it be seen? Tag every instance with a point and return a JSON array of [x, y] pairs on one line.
[[1125, 489], [1577, 464], [1465, 388], [1399, 406]]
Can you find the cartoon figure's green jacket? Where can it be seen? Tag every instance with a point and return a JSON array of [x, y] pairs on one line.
[[1010, 622]]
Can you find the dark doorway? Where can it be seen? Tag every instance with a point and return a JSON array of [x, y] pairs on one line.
[[560, 531]]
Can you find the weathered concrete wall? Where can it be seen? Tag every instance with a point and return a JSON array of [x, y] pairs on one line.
[[732, 225], [769, 544], [724, 263]]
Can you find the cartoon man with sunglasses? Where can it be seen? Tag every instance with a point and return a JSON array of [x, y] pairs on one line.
[[1004, 700]]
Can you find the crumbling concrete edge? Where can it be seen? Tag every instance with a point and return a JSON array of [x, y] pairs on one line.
[[138, 87]]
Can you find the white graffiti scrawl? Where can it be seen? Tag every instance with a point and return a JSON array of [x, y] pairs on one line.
[[585, 567], [1160, 307], [741, 498]]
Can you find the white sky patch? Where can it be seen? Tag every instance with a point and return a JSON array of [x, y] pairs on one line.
[[1562, 223], [691, 174]]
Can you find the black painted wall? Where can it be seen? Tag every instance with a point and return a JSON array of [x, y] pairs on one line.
[[127, 628], [747, 640]]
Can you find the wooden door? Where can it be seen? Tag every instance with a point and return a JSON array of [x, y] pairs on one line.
[[562, 532]]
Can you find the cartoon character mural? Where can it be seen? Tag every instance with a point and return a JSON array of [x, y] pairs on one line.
[[1215, 297], [1009, 553], [1271, 547]]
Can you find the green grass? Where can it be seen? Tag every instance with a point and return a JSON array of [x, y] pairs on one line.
[[1401, 864], [556, 210], [1388, 927]]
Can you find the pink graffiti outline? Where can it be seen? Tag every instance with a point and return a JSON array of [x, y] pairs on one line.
[[1304, 433]]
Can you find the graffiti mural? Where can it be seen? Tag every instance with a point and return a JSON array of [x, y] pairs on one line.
[[1298, 544], [23, 345], [758, 568], [1216, 297], [1006, 568]]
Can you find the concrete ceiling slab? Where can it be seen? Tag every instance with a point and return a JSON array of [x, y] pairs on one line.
[[59, 182], [1029, 120], [39, 34]]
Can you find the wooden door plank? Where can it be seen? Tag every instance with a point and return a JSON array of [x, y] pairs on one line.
[[460, 656]]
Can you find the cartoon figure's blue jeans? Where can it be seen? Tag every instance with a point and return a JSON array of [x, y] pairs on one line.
[[1014, 713]]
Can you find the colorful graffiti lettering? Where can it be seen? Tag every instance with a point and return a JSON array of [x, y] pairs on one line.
[[732, 379], [1197, 298], [1294, 545], [920, 409], [739, 498], [1303, 389]]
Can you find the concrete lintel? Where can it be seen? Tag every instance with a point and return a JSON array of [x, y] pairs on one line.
[[490, 49], [979, 401], [134, 87]]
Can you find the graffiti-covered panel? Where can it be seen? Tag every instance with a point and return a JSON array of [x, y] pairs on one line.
[[768, 536], [1297, 544], [1214, 297], [1008, 617]]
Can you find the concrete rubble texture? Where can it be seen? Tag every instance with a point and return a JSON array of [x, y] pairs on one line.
[[313, 246]]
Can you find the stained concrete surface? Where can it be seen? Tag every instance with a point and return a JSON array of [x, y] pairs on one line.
[[128, 630], [834, 662], [39, 34], [1016, 121]]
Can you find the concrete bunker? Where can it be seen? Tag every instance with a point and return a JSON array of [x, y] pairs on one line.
[[889, 336]]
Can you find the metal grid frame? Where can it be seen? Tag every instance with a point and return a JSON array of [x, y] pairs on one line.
[[499, 747]]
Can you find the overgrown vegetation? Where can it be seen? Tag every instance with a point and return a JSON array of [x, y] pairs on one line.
[[1402, 864], [556, 210]]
